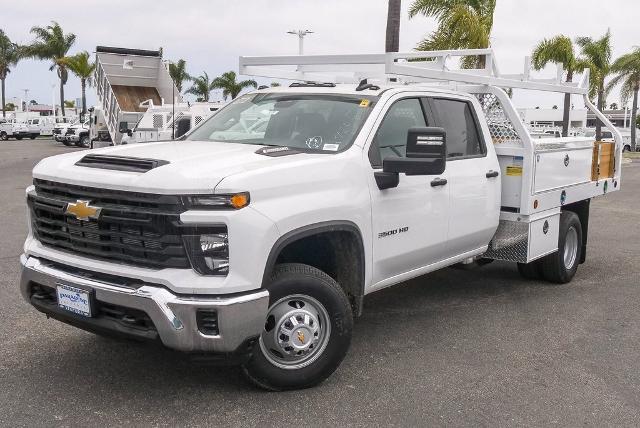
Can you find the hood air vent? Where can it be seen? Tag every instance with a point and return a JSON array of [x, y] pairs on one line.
[[120, 163]]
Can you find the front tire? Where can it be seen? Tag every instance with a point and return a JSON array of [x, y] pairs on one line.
[[33, 136], [18, 137], [84, 142], [4, 136], [307, 331], [561, 266]]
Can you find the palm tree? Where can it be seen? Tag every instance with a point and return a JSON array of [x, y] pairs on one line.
[[230, 87], [392, 40], [201, 87], [558, 50], [462, 24], [627, 72], [178, 73], [80, 65], [596, 55], [10, 54], [52, 44]]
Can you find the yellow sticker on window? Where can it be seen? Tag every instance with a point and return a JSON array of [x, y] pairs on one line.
[[514, 170], [364, 103]]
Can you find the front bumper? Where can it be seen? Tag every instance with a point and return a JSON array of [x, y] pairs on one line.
[[240, 317]]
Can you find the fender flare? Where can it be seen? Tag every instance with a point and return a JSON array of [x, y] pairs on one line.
[[314, 229]]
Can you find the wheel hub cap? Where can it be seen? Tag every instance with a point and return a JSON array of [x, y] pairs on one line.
[[570, 248], [296, 332]]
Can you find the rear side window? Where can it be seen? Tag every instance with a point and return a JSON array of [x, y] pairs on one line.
[[458, 121]]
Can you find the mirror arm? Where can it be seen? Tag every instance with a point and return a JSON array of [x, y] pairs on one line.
[[386, 180]]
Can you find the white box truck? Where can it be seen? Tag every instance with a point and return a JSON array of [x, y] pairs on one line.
[[257, 236]]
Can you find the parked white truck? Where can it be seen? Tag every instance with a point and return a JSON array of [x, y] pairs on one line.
[[157, 123], [258, 235]]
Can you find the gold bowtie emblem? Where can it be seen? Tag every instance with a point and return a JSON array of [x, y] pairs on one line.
[[301, 336], [82, 210]]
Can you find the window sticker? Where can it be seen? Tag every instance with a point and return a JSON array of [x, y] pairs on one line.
[[364, 103], [514, 170], [331, 147]]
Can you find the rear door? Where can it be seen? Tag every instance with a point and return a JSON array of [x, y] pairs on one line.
[[409, 221], [472, 175]]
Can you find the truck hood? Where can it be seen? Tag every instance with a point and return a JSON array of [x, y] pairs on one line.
[[187, 167]]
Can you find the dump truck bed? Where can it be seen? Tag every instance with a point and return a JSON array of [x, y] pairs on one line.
[[130, 97]]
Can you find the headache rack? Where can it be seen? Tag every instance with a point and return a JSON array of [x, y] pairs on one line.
[[538, 176]]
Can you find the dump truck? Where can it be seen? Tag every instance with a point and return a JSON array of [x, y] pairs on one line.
[[126, 80]]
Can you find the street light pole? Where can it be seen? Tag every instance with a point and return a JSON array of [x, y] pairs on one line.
[[300, 34]]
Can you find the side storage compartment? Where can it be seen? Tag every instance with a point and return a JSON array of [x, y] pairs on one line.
[[525, 239], [562, 168]]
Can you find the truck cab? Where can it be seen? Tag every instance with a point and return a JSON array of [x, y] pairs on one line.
[[257, 235]]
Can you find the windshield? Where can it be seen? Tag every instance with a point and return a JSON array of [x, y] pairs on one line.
[[309, 122]]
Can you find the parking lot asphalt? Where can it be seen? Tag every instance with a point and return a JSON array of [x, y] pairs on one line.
[[476, 347]]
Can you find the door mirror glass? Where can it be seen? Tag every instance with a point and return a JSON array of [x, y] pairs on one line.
[[426, 153], [123, 127]]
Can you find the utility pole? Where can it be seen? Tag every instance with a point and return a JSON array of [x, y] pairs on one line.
[[300, 34], [26, 99]]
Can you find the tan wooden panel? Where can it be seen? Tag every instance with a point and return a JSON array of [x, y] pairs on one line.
[[130, 97]]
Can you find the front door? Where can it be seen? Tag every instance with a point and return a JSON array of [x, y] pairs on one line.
[[409, 221]]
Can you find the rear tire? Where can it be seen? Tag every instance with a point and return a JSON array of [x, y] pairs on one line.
[[18, 137], [561, 266], [33, 136], [4, 136], [68, 143], [531, 270], [304, 354]]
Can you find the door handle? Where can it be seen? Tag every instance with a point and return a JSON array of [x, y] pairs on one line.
[[438, 182], [492, 174]]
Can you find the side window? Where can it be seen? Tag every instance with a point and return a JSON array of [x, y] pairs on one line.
[[391, 138], [456, 117]]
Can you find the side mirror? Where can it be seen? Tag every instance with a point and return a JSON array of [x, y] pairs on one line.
[[123, 127], [426, 155], [129, 132], [183, 125]]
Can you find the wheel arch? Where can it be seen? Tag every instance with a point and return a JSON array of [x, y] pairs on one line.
[[318, 245]]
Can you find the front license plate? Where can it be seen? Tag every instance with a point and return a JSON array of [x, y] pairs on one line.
[[74, 300]]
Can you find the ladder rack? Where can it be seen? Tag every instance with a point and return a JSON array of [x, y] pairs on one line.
[[411, 67]]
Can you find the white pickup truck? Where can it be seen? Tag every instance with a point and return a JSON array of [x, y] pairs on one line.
[[257, 236]]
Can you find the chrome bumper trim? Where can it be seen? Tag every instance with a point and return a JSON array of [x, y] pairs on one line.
[[240, 317]]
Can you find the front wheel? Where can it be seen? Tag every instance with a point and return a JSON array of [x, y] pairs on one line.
[[4, 136], [561, 266], [84, 142], [33, 136], [18, 137], [307, 331]]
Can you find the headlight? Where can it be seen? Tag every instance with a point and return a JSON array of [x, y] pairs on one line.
[[212, 202], [209, 253]]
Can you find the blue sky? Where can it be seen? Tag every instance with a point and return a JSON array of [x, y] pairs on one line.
[[211, 34]]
